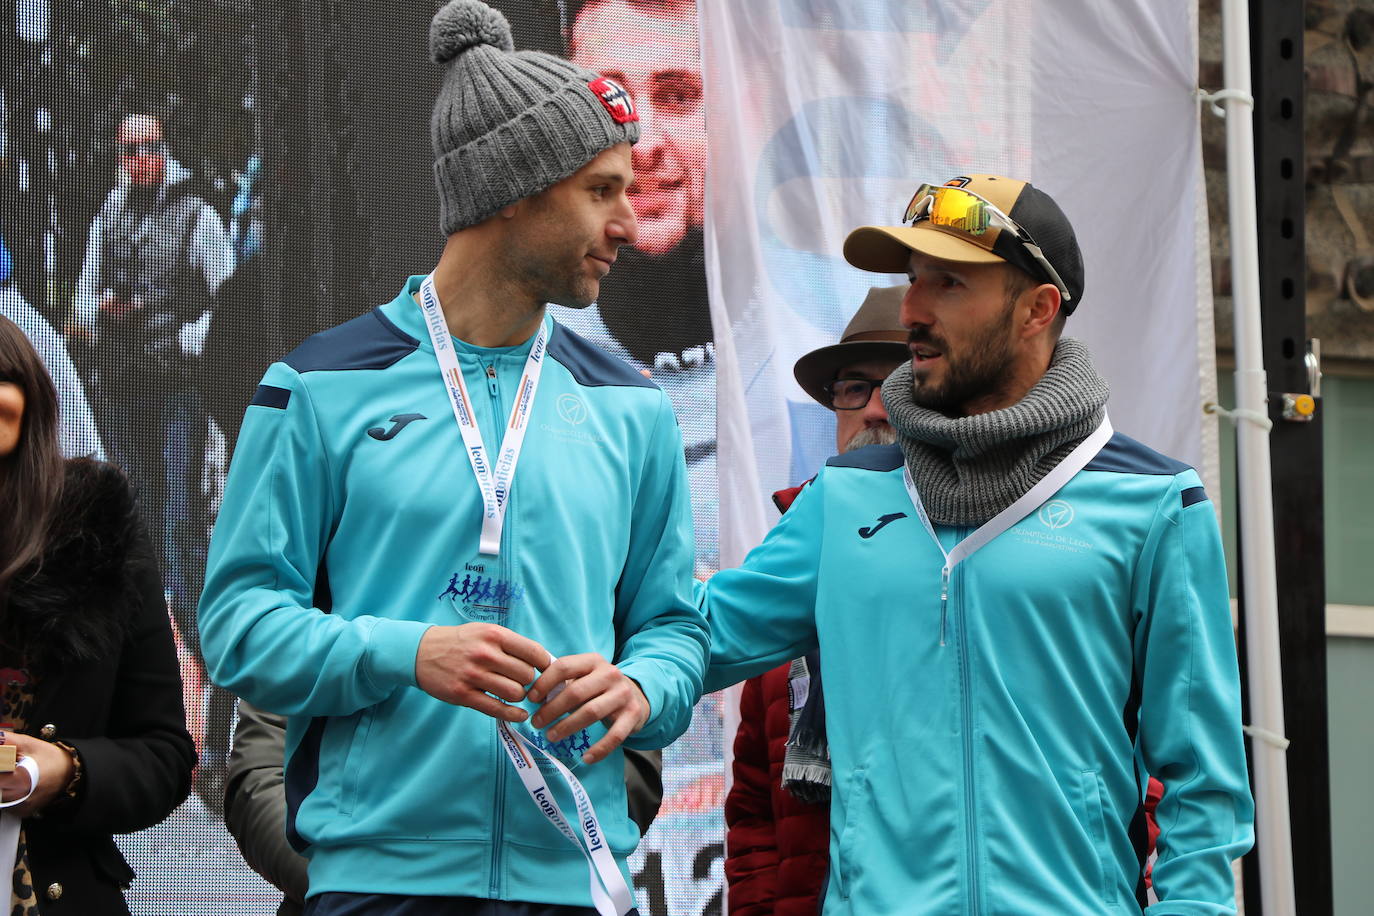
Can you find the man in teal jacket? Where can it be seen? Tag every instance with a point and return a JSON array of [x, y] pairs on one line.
[[432, 502], [1020, 613]]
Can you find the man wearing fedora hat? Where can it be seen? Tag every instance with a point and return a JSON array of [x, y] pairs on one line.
[[1020, 612], [778, 808]]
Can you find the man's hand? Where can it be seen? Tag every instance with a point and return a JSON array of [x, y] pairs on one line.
[[593, 690], [117, 308], [74, 331], [463, 664]]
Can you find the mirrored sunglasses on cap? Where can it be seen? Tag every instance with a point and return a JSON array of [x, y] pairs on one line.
[[962, 212]]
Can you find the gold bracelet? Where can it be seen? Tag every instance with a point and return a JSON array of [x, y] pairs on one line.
[[78, 768]]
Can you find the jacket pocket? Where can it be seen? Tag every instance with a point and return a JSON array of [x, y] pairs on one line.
[[353, 760], [1095, 822], [110, 864], [850, 847]]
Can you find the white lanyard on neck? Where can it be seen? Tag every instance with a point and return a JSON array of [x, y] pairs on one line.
[[1050, 484], [495, 485]]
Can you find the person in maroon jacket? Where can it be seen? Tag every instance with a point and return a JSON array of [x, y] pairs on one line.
[[778, 809]]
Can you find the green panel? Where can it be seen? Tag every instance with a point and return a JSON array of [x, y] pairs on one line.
[[1350, 697], [1348, 466], [1348, 469]]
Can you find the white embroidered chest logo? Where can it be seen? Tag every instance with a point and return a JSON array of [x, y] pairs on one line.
[[1056, 514], [571, 409]]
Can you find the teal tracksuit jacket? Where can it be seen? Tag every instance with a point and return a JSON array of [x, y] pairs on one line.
[[350, 525], [1003, 771]]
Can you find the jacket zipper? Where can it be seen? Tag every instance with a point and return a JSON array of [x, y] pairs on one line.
[[499, 816], [970, 814], [944, 600]]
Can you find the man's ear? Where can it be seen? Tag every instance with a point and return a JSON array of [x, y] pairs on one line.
[[1043, 303], [510, 210]]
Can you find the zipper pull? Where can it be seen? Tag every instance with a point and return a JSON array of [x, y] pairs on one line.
[[491, 379], [944, 600]]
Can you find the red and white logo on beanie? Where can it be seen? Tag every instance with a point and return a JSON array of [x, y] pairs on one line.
[[616, 100]]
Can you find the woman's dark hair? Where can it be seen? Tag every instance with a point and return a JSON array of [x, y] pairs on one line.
[[31, 475]]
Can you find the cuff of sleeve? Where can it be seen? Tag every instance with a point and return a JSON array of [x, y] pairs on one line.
[[391, 649], [645, 674]]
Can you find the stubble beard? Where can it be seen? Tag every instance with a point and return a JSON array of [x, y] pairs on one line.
[[981, 372], [549, 264], [573, 291], [550, 277]]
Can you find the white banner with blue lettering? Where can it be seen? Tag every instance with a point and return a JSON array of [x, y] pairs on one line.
[[824, 116]]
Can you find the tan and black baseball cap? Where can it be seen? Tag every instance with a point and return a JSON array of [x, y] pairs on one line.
[[874, 333], [974, 237]]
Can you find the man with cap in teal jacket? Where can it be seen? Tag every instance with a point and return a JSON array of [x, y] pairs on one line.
[[455, 546], [1020, 613]]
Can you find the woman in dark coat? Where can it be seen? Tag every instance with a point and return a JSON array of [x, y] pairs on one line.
[[90, 687]]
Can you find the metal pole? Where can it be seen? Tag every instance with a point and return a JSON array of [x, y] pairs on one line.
[[1273, 832]]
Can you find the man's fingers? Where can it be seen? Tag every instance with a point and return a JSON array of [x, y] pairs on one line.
[[601, 707], [614, 737], [459, 664], [492, 662], [574, 694], [493, 707], [488, 648], [525, 649], [576, 691], [564, 669], [503, 687], [627, 722]]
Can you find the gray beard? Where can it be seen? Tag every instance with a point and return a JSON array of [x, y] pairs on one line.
[[873, 435]]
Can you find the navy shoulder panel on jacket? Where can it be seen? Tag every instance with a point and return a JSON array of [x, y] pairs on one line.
[[1125, 455], [590, 366], [869, 458], [369, 341], [1193, 495]]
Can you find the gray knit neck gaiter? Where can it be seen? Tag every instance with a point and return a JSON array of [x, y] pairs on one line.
[[967, 469]]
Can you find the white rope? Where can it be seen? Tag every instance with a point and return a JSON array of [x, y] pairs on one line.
[[1221, 95], [1257, 417], [1265, 735]]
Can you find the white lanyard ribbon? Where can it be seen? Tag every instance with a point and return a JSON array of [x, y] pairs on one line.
[[1050, 484], [10, 824], [494, 483], [610, 894]]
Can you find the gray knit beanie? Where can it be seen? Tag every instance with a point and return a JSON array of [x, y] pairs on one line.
[[509, 124]]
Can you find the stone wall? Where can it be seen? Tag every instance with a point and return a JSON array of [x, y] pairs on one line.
[[1339, 63]]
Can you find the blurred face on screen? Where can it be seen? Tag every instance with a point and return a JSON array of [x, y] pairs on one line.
[[650, 48], [142, 152]]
